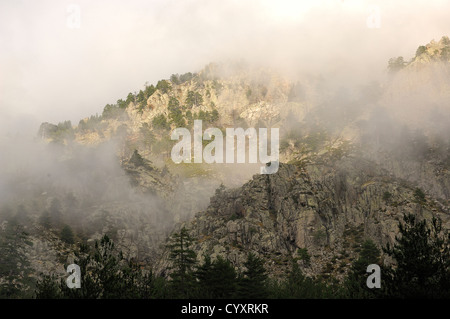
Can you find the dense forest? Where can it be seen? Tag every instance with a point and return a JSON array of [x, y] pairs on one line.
[[421, 269]]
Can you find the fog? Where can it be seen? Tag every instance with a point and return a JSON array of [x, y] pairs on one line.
[[56, 67], [65, 60], [62, 60]]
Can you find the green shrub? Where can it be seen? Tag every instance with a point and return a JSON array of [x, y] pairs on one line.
[[130, 98], [303, 255], [420, 50], [111, 111], [193, 99], [396, 64], [122, 104], [186, 77], [213, 116], [387, 196], [175, 79], [163, 86], [419, 196], [176, 117], [159, 122], [140, 97], [149, 90], [173, 104]]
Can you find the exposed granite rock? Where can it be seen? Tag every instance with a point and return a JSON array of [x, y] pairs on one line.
[[327, 209]]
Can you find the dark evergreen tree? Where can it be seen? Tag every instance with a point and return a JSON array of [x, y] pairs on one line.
[[109, 111], [175, 79], [214, 116], [102, 273], [175, 114], [143, 285], [183, 260], [67, 235], [149, 90], [159, 122], [122, 104], [419, 196], [253, 283], [193, 99], [217, 279], [396, 64], [203, 274], [173, 104], [186, 77], [420, 50], [163, 86], [47, 288], [140, 97], [422, 261], [14, 263], [356, 282], [105, 274], [107, 264], [130, 99], [137, 159], [298, 286]]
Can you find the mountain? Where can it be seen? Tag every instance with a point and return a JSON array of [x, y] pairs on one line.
[[327, 209], [353, 160]]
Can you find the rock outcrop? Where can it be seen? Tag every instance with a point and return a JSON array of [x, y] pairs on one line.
[[326, 209]]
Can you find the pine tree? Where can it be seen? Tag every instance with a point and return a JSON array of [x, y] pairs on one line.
[[107, 265], [104, 274], [216, 279], [298, 286], [253, 283], [140, 98], [204, 274], [149, 90], [183, 260], [422, 261], [396, 64], [67, 235], [224, 281], [101, 272], [47, 288], [356, 282], [175, 79], [159, 122], [193, 99], [164, 86]]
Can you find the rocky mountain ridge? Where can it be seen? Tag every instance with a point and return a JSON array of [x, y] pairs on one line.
[[323, 211], [351, 164]]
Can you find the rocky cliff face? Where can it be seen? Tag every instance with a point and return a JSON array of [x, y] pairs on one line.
[[350, 167], [327, 209]]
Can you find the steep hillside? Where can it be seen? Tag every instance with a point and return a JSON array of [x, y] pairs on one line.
[[324, 209], [352, 162]]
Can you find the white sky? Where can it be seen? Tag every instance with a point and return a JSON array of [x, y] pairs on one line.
[[50, 72]]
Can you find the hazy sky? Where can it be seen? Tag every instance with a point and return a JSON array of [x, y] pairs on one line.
[[66, 59]]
